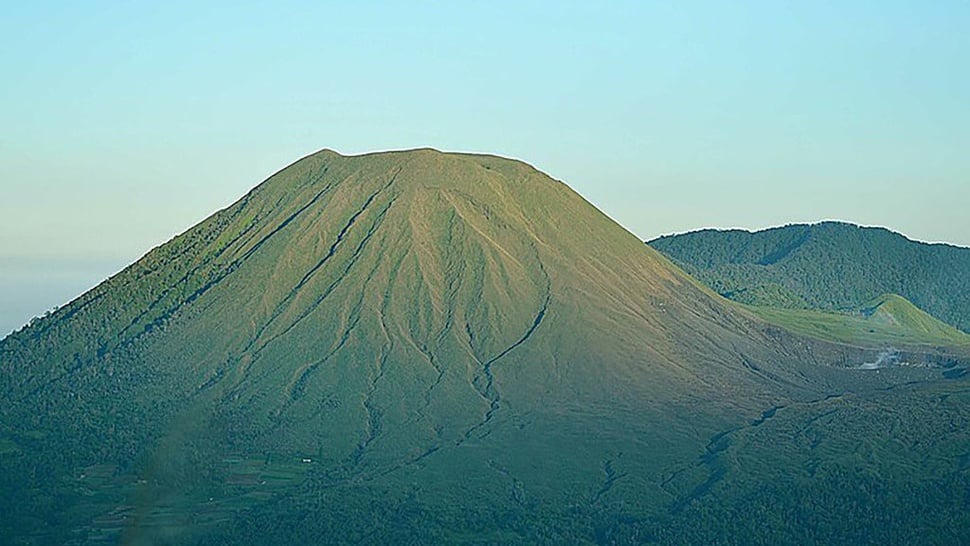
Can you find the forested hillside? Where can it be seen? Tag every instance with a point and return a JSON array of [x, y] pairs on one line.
[[828, 266]]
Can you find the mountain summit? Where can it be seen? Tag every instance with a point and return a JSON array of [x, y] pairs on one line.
[[396, 346]]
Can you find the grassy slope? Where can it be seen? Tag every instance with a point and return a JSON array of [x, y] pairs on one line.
[[888, 320]]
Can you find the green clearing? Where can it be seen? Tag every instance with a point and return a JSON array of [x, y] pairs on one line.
[[887, 321]]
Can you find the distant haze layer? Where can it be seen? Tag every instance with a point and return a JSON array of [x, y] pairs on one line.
[[29, 287]]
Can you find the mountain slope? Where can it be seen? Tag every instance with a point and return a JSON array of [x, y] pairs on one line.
[[826, 266], [890, 321], [896, 311], [407, 346]]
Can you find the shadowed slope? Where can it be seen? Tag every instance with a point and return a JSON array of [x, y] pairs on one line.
[[456, 332]]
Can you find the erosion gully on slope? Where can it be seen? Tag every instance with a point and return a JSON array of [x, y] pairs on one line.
[[489, 392]]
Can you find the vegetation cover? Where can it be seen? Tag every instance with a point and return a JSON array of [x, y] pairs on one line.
[[889, 320], [418, 347], [829, 266]]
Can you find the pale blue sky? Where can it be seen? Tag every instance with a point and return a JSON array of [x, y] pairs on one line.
[[124, 123]]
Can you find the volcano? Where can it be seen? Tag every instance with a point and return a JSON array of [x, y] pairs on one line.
[[405, 347]]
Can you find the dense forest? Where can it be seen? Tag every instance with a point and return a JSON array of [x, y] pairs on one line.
[[828, 266]]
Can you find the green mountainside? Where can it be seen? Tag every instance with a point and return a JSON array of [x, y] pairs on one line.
[[419, 347], [828, 266], [887, 320]]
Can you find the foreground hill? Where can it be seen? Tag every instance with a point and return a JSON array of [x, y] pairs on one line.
[[827, 266], [425, 347]]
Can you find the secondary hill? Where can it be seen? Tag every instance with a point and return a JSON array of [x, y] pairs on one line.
[[829, 266], [889, 321], [398, 347], [896, 311]]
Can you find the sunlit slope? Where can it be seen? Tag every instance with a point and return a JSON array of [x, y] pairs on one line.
[[896, 311], [456, 338], [432, 272], [889, 320]]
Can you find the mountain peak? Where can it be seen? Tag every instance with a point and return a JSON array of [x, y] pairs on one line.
[[392, 319]]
